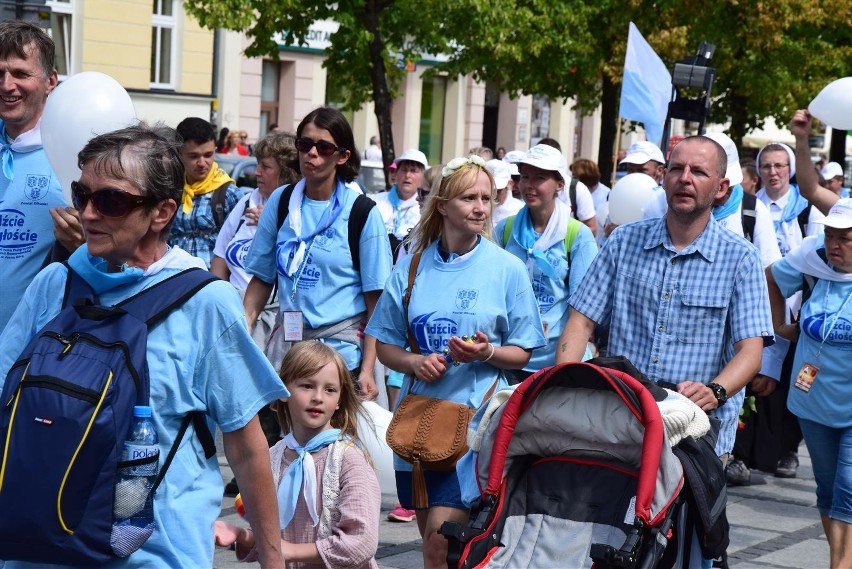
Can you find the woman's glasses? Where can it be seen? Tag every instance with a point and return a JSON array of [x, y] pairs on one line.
[[422, 193], [324, 148], [109, 202]]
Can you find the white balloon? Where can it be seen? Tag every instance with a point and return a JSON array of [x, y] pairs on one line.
[[833, 105], [80, 108], [630, 196], [373, 437]]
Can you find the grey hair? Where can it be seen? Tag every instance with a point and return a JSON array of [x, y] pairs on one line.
[[147, 156]]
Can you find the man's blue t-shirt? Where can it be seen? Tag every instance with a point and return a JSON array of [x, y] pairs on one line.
[[26, 228]]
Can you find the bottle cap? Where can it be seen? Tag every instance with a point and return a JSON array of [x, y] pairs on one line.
[[141, 411]]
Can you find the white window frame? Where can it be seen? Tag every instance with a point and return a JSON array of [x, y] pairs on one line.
[[66, 8], [163, 23]]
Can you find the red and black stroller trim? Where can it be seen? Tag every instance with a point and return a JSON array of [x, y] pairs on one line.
[[575, 470]]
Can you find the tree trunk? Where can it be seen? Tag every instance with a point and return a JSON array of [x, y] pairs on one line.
[[609, 119], [739, 116], [378, 78]]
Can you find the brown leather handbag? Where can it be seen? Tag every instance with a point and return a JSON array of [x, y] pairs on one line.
[[429, 433]]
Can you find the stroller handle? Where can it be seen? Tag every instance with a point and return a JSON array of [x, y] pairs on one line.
[[635, 396]]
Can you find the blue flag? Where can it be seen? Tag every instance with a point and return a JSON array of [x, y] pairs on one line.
[[646, 87]]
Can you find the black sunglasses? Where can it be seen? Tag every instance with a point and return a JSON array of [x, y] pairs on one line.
[[324, 148], [423, 193], [110, 202]]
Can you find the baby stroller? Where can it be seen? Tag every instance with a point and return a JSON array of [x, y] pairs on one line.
[[580, 472]]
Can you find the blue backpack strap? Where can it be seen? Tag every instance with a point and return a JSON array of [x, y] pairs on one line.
[[156, 302], [77, 288], [153, 304]]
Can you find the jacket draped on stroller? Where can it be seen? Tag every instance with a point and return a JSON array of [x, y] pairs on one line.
[[574, 467]]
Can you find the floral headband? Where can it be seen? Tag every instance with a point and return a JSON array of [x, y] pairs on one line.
[[457, 163]]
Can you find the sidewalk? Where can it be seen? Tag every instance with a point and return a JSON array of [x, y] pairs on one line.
[[774, 523]]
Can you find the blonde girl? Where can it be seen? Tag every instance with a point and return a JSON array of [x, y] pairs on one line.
[[328, 493]]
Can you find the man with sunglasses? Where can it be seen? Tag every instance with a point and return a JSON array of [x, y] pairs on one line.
[[209, 194], [28, 186], [200, 356], [398, 206]]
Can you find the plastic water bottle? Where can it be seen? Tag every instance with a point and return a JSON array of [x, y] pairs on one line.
[[134, 508]]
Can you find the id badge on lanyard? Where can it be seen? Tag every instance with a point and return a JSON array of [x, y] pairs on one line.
[[809, 371]]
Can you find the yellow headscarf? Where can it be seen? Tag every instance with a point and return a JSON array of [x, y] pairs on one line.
[[214, 179]]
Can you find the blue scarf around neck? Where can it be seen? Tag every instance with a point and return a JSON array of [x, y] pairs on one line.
[[731, 206], [290, 486], [524, 234], [796, 204]]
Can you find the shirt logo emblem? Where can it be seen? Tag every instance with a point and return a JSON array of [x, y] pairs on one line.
[[36, 186]]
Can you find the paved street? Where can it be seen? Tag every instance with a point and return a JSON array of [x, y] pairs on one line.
[[774, 523]]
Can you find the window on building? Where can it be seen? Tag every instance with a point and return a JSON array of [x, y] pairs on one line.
[[163, 24], [269, 91], [432, 107], [61, 30]]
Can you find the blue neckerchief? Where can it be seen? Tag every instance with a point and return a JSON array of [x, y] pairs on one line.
[[731, 206], [796, 204], [6, 157], [287, 247], [393, 197], [524, 234], [290, 486], [94, 271]]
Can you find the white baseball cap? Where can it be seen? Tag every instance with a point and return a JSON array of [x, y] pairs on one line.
[[643, 151], [734, 173], [501, 172], [831, 170], [514, 156], [413, 155], [840, 215], [547, 158]]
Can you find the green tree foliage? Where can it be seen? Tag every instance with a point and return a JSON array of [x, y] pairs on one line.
[[772, 56]]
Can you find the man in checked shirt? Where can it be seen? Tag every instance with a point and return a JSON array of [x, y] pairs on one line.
[[685, 300]]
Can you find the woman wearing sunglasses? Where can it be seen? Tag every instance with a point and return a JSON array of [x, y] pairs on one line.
[[321, 294], [471, 314], [129, 189]]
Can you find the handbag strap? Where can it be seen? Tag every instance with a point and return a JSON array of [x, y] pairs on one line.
[[406, 299]]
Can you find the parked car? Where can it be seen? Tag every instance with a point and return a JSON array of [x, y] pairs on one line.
[[240, 168], [372, 177]]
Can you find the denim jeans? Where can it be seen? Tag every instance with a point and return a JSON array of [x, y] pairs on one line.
[[831, 455]]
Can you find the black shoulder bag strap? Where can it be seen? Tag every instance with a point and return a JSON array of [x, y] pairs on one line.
[[572, 195], [749, 215], [217, 204]]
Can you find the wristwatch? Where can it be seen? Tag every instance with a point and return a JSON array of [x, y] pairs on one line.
[[719, 393]]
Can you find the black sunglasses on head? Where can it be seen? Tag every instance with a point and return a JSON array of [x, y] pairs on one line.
[[324, 148], [110, 202]]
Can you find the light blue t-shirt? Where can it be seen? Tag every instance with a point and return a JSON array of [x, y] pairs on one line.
[[486, 290], [200, 358], [329, 289], [552, 294], [827, 402], [26, 228]]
